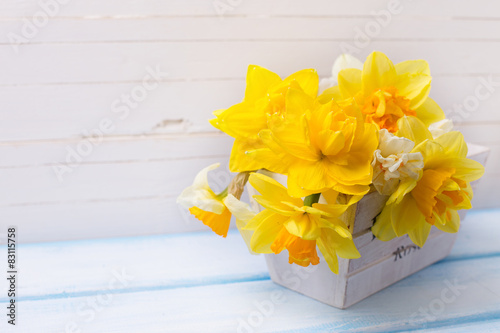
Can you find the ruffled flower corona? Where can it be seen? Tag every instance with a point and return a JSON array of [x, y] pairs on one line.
[[393, 162], [264, 96], [433, 199], [325, 147], [386, 92], [372, 130], [288, 223]]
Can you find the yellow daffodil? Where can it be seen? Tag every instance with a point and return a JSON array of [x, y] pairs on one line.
[[386, 92], [264, 96], [298, 226], [215, 210], [325, 147], [435, 197]]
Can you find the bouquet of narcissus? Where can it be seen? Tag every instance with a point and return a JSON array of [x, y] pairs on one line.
[[370, 127]]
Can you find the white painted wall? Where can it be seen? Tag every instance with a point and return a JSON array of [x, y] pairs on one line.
[[71, 72]]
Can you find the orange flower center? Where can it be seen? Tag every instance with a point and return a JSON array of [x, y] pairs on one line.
[[385, 107], [300, 251], [431, 194], [219, 223]]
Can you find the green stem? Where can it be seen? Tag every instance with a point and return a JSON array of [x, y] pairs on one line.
[[223, 194], [311, 199]]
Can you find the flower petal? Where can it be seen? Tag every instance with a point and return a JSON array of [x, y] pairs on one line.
[[331, 210], [429, 112], [302, 252], [378, 72], [307, 79], [201, 198], [269, 160], [355, 190], [345, 61], [219, 223], [259, 80], [303, 225], [328, 250], [450, 223], [420, 233], [414, 81], [243, 214], [284, 208], [349, 82], [242, 120], [271, 188], [404, 188], [382, 229], [330, 94], [201, 179], [413, 67], [351, 174], [406, 216], [413, 129], [241, 161], [465, 168], [332, 242], [267, 226], [308, 175], [453, 144]]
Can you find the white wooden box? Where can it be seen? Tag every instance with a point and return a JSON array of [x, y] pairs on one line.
[[381, 263]]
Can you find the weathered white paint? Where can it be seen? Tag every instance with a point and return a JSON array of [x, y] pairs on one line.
[[93, 9], [22, 117], [66, 79], [176, 278]]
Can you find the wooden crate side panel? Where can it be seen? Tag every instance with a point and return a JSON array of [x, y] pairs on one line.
[[317, 281], [374, 251], [383, 274]]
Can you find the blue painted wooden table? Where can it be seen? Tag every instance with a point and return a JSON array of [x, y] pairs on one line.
[[198, 282]]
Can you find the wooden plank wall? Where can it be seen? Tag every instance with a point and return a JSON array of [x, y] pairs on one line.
[[66, 89]]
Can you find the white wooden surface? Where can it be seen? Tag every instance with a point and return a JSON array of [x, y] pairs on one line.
[[170, 279], [66, 78]]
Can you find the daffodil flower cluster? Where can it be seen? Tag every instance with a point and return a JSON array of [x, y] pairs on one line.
[[372, 127]]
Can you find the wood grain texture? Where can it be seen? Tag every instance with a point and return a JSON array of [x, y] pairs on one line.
[[115, 9], [62, 63], [327, 28], [222, 285], [67, 78], [169, 109]]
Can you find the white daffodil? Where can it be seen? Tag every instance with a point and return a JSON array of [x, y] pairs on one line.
[[215, 210], [200, 195], [440, 127], [205, 205], [393, 161], [243, 214]]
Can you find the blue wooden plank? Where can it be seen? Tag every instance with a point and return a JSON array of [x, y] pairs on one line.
[[180, 277], [65, 269], [488, 326], [478, 235], [414, 303]]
